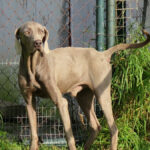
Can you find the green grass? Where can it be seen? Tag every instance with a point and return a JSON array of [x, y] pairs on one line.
[[7, 142], [131, 96]]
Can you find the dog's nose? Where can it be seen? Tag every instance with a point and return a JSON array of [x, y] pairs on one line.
[[37, 43]]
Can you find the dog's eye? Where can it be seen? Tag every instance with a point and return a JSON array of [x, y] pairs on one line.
[[27, 33], [41, 31]]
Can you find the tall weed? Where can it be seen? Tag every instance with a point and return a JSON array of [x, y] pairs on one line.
[[131, 95]]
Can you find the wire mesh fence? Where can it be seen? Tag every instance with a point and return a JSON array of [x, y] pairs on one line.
[[50, 127], [127, 14], [70, 23]]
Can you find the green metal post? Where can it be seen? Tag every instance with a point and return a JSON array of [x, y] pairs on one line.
[[100, 25], [110, 7]]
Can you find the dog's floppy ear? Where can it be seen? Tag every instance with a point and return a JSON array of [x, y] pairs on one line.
[[45, 40], [17, 42]]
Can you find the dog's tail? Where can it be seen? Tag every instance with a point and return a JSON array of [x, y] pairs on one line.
[[123, 46]]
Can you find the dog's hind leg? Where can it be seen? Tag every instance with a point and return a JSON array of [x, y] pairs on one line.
[[104, 99], [85, 99]]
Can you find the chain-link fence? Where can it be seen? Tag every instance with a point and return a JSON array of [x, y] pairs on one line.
[[70, 23]]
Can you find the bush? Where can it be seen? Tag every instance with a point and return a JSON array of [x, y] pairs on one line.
[[131, 96], [9, 144]]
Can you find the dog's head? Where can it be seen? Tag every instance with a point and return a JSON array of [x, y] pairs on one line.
[[30, 37]]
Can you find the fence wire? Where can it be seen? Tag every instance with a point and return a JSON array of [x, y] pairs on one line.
[[70, 23]]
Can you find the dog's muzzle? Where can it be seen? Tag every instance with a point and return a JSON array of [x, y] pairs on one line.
[[38, 46]]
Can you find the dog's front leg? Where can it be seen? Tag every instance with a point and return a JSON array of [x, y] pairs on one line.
[[63, 109], [62, 105], [30, 105]]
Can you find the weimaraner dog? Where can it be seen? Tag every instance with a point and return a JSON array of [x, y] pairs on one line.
[[82, 72]]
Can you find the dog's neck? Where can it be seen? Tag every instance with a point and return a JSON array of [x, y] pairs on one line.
[[28, 64]]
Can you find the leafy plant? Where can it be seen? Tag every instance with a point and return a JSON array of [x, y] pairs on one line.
[[1, 121], [131, 96]]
